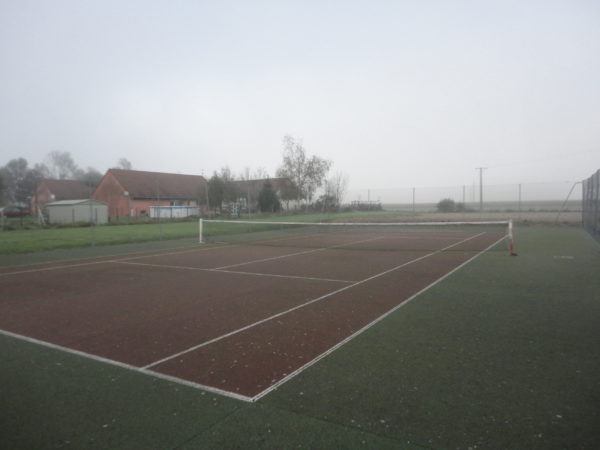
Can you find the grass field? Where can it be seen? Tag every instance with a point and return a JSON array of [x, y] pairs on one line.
[[502, 354], [35, 240], [45, 239]]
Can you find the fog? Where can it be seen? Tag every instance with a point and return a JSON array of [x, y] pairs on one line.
[[397, 94]]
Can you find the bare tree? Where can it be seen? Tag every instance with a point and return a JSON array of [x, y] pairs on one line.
[[2, 188], [306, 173], [336, 186], [43, 170], [258, 174], [231, 191], [91, 177], [62, 166], [14, 174], [316, 171], [246, 174], [20, 181], [288, 191], [124, 164]]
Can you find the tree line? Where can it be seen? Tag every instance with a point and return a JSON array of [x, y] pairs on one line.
[[18, 179], [306, 174]]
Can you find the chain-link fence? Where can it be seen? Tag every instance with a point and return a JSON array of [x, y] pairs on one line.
[[519, 197], [591, 205]]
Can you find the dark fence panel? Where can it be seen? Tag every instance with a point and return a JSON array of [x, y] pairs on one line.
[[591, 205]]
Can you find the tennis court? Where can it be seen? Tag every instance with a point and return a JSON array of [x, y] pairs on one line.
[[237, 318]]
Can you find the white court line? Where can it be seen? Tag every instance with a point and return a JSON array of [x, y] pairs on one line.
[[127, 366], [85, 258], [139, 255], [298, 253], [274, 316], [146, 371], [366, 327], [45, 269], [166, 266], [67, 266], [284, 276]]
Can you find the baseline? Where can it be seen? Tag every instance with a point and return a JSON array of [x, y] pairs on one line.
[[126, 366]]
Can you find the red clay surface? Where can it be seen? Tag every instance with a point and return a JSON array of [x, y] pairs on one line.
[[143, 309]]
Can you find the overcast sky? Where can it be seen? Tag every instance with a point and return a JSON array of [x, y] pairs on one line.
[[395, 93]]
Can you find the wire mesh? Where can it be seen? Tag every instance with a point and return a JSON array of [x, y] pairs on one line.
[[591, 205]]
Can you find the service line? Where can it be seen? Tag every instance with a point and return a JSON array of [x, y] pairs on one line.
[[310, 302]]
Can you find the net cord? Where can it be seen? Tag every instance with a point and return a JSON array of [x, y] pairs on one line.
[[354, 224], [508, 223]]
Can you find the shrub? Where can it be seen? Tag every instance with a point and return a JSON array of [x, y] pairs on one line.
[[446, 205]]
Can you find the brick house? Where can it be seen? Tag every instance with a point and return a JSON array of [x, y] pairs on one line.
[[131, 193], [48, 191]]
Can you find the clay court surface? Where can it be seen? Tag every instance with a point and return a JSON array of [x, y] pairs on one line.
[[238, 319]]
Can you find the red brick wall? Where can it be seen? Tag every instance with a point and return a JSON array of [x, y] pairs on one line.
[[42, 197], [112, 193]]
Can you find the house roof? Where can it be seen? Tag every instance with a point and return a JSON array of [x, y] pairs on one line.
[[84, 201], [140, 184], [66, 189]]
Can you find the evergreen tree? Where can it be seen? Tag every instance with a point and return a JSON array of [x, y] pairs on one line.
[[267, 199]]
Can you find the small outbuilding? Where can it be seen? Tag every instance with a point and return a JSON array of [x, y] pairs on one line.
[[71, 211], [48, 191]]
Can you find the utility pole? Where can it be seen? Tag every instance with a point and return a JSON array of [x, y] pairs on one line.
[[91, 213], [519, 201], [481, 169]]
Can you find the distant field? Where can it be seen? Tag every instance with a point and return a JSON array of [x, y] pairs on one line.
[[37, 239], [511, 206], [541, 217], [44, 239]]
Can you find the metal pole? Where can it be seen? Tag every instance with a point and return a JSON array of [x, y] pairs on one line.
[[159, 211], [519, 208], [248, 200], [413, 205], [481, 169], [91, 214], [207, 201]]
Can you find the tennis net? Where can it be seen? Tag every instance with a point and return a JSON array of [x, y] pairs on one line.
[[375, 236]]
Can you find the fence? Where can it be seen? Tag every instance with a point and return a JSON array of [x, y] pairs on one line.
[[173, 212], [591, 205], [516, 197]]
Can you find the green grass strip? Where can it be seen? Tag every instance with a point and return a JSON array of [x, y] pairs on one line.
[[45, 239], [503, 354]]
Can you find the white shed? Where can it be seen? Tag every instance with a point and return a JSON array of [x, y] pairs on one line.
[[71, 211]]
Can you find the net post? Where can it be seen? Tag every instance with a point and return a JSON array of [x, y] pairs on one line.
[[200, 239], [511, 240]]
